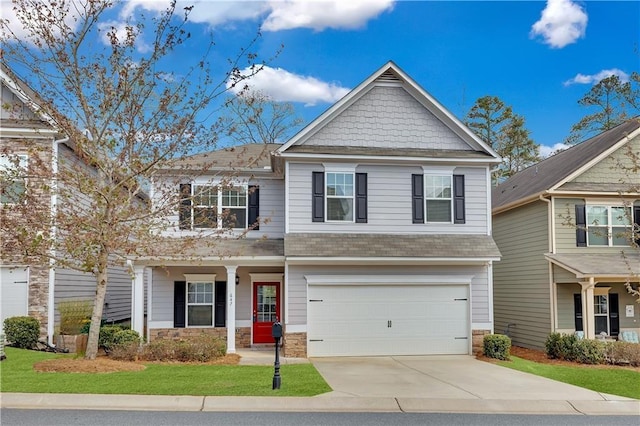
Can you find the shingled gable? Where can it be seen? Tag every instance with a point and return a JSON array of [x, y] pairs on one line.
[[390, 75], [553, 172]]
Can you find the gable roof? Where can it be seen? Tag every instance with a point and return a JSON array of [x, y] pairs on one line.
[[556, 170], [390, 73]]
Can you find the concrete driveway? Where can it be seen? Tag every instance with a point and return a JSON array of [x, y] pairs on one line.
[[446, 377]]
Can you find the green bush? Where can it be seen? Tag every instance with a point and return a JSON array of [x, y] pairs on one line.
[[203, 348], [497, 346], [106, 340], [561, 346], [124, 337], [586, 351], [74, 314], [22, 332], [552, 345], [125, 346], [622, 353]]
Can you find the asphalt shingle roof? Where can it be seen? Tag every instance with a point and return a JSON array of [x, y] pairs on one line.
[[552, 170], [388, 245], [598, 265], [390, 152], [254, 156]]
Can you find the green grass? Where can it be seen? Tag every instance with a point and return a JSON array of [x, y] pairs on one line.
[[615, 381], [18, 375]]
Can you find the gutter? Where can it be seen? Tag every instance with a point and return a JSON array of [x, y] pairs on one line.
[[54, 210]]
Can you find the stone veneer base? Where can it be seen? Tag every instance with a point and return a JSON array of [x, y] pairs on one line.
[[243, 334], [295, 345]]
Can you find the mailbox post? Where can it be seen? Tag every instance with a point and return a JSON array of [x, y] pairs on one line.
[[276, 332]]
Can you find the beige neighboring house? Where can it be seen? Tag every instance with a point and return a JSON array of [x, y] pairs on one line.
[[27, 288], [370, 234], [563, 228]]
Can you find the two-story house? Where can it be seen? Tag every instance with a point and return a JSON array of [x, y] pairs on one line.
[[370, 235], [28, 287], [564, 228]]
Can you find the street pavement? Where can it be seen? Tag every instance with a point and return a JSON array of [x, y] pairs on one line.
[[421, 384]]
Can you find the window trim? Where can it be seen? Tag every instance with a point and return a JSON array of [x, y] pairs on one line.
[[200, 279], [23, 164], [609, 226], [438, 171], [352, 197], [219, 207]]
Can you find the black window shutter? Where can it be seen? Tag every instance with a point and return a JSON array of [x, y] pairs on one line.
[[184, 209], [361, 198], [179, 303], [614, 315], [581, 225], [254, 208], [577, 307], [458, 199], [220, 312], [417, 198], [317, 197], [636, 215]]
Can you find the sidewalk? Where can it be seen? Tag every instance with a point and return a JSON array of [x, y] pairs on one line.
[[358, 387]]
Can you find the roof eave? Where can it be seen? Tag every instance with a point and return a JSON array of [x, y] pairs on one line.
[[290, 155]]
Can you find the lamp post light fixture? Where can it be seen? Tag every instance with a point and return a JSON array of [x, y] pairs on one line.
[[276, 332]]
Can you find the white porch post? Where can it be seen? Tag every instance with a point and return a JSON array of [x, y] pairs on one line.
[[588, 311], [137, 300], [231, 308]]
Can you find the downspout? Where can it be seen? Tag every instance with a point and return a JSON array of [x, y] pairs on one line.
[[552, 248], [51, 311]]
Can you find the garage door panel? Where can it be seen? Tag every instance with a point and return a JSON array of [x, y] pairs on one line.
[[360, 320], [14, 292]]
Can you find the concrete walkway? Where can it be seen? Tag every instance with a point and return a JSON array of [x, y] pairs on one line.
[[375, 384]]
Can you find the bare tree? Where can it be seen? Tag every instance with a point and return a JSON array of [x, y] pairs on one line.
[[125, 112]]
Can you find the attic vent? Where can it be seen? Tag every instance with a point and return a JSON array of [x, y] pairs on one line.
[[389, 76]]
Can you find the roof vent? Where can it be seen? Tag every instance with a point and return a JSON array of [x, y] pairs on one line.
[[389, 76]]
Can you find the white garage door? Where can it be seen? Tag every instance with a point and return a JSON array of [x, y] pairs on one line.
[[14, 292], [362, 320]]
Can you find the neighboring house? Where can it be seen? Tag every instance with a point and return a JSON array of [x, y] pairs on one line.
[[27, 288], [373, 235], [562, 226]]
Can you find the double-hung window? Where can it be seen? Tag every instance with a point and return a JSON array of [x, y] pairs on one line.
[[12, 178], [608, 225], [438, 198], [212, 206], [340, 194], [200, 300]]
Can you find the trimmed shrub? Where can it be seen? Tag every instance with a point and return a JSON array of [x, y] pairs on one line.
[[552, 345], [74, 314], [125, 346], [561, 346], [203, 348], [497, 346], [124, 337], [586, 351], [622, 353], [22, 332], [106, 340]]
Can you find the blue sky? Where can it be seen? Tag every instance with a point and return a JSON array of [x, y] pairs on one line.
[[539, 57]]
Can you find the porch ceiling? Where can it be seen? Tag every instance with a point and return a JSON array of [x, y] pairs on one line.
[[613, 266]]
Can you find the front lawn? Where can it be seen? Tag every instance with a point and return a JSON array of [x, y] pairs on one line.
[[613, 380], [18, 375]]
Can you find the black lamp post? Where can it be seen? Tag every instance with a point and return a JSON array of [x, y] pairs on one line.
[[276, 332]]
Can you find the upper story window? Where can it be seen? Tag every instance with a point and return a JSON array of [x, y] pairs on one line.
[[608, 225], [438, 196], [339, 195], [339, 190], [208, 206], [12, 178]]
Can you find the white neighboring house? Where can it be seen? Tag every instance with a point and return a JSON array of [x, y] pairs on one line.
[[373, 237], [27, 288]]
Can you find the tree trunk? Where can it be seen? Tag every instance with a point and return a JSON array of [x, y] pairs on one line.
[[98, 307]]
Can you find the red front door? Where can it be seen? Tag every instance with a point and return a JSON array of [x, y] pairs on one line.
[[266, 310]]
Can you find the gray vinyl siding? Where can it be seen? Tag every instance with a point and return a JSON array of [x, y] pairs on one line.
[[521, 278], [74, 285], [566, 308], [388, 202], [561, 275], [13, 107], [387, 117], [271, 201], [566, 229], [297, 284]]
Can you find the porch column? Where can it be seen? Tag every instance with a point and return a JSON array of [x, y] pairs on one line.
[[231, 308], [588, 311], [137, 300]]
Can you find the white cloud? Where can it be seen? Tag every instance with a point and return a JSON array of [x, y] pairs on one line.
[[284, 86], [595, 78], [280, 14], [546, 151], [561, 23], [20, 32], [319, 15], [122, 33]]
